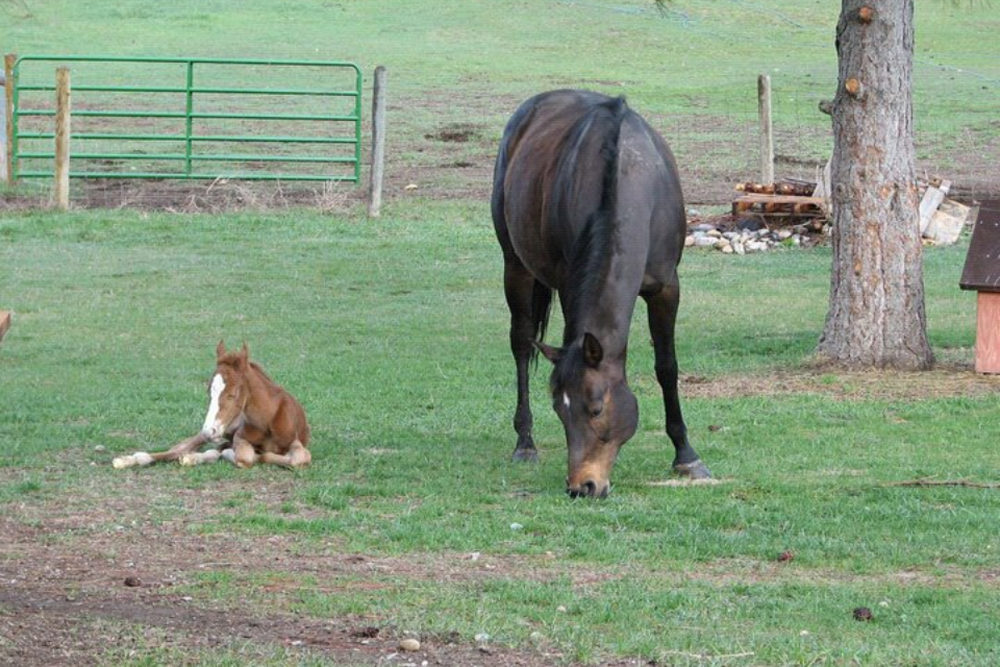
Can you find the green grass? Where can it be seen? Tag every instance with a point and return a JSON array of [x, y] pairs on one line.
[[393, 335]]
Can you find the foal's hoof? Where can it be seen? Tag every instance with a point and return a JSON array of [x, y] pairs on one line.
[[525, 455], [694, 470]]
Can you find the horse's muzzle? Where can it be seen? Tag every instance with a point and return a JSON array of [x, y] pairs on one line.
[[589, 489]]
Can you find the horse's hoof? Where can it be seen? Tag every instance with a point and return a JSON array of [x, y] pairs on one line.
[[525, 455], [694, 470], [188, 460], [229, 455]]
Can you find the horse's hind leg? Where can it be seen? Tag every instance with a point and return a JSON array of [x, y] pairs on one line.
[[519, 286], [662, 312]]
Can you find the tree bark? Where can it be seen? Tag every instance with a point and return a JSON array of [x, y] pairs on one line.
[[876, 317]]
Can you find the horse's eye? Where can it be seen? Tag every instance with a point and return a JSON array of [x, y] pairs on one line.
[[596, 410]]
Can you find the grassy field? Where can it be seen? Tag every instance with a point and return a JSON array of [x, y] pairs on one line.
[[403, 366], [465, 66], [392, 333]]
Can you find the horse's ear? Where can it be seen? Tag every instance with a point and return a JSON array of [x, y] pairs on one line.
[[593, 353], [553, 354], [220, 350], [244, 354]]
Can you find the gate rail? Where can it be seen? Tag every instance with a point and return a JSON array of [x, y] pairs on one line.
[[338, 131]]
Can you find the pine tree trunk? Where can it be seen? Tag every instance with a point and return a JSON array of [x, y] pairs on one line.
[[876, 316]]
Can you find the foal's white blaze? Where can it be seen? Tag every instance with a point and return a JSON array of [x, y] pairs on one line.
[[213, 428]]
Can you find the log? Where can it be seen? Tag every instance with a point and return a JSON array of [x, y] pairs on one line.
[[933, 196]]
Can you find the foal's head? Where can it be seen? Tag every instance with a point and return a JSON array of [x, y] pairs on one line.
[[228, 392], [597, 409]]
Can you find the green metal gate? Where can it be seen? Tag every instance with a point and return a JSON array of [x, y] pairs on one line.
[[196, 114]]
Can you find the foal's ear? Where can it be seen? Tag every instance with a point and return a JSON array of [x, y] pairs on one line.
[[243, 355], [593, 353], [220, 350], [553, 354]]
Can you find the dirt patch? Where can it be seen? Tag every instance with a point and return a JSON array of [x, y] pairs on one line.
[[95, 576], [944, 381]]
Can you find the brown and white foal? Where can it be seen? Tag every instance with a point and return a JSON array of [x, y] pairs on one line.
[[250, 417]]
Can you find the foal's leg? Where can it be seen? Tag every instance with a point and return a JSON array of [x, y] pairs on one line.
[[519, 287], [244, 455], [662, 312], [297, 457], [181, 449]]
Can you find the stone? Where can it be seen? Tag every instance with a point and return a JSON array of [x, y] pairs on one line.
[[750, 224], [689, 240], [409, 644]]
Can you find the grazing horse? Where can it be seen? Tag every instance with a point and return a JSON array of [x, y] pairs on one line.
[[249, 415], [587, 202]]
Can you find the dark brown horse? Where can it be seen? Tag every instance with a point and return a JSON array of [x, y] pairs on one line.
[[587, 202], [250, 417]]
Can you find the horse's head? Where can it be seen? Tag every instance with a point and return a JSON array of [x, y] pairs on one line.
[[597, 409], [227, 392]]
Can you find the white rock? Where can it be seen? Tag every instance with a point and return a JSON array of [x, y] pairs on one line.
[[704, 241], [689, 240], [409, 644]]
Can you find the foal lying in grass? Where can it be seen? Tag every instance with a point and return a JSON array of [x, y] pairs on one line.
[[250, 417]]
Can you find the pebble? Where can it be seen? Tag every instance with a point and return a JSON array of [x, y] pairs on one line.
[[409, 644], [516, 526], [482, 637]]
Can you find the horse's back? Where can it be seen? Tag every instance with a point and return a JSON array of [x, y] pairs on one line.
[[551, 173]]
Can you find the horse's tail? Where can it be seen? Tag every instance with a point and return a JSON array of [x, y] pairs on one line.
[[541, 307]]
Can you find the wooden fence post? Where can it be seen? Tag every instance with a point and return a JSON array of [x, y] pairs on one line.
[[766, 135], [61, 190], [378, 144], [8, 86]]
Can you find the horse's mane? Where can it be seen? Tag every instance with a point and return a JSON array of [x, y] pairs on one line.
[[590, 258]]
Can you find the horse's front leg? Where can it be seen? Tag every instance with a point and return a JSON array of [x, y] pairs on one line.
[[662, 313], [181, 449], [519, 287], [297, 457], [244, 455]]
